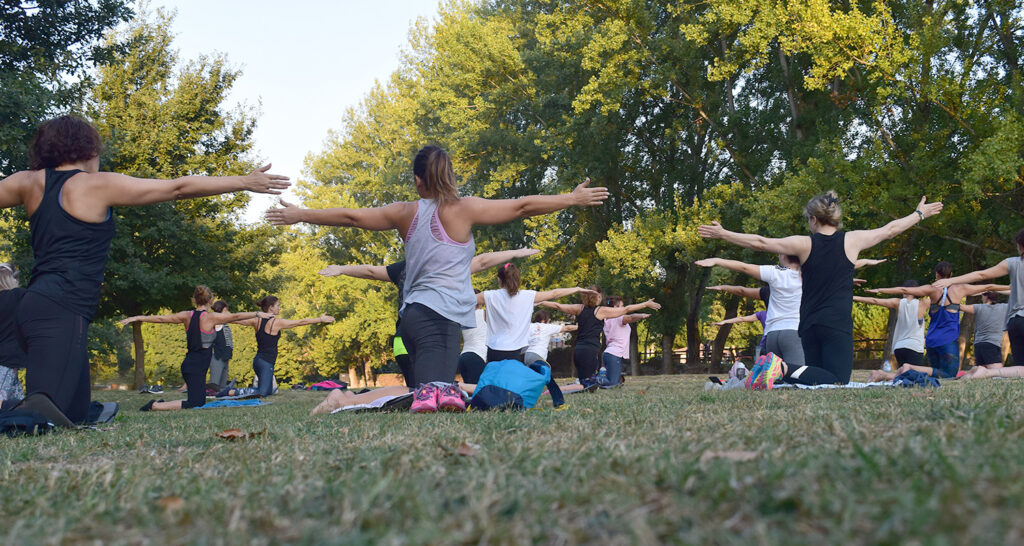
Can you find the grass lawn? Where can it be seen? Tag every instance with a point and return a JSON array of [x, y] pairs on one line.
[[656, 461]]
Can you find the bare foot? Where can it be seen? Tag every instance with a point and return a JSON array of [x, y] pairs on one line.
[[335, 399]]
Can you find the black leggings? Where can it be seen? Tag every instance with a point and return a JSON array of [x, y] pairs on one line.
[[829, 356], [405, 365], [193, 370], [470, 367], [57, 354], [433, 342], [494, 355], [1015, 331], [586, 358]]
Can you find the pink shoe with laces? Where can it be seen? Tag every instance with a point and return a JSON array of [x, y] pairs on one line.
[[449, 398], [424, 400]]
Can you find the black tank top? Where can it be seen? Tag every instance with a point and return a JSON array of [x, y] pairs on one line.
[[589, 327], [827, 298], [71, 255], [11, 354], [266, 344], [194, 338]]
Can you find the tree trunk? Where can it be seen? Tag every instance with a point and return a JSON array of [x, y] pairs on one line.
[[890, 328], [371, 378], [668, 341], [634, 352], [718, 346], [353, 377], [140, 355], [966, 330]]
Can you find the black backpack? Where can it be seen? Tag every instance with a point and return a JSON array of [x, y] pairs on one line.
[[18, 422]]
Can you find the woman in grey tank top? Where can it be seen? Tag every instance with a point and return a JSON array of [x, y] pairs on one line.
[[1014, 320], [437, 232]]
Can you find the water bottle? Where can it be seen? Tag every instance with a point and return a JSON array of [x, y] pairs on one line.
[[602, 376], [886, 367]]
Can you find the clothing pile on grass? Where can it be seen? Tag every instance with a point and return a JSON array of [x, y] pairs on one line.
[[741, 378]]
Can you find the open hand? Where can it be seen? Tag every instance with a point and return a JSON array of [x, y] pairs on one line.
[[706, 262], [125, 322], [326, 319], [260, 181], [585, 196], [929, 209], [524, 252], [286, 215], [651, 304], [859, 282], [331, 271], [711, 231], [262, 315]]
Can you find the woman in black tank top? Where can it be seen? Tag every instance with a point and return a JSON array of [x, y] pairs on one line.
[[200, 330], [590, 317], [827, 260], [268, 333], [68, 202]]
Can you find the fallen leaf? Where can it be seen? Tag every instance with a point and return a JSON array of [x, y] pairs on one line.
[[171, 503], [729, 455], [231, 434], [467, 449], [641, 393]]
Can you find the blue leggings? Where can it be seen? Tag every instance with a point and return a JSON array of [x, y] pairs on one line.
[[265, 374]]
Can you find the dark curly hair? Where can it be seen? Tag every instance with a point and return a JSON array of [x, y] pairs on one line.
[[63, 140]]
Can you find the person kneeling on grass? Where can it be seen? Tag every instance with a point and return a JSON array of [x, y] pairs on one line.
[[200, 332]]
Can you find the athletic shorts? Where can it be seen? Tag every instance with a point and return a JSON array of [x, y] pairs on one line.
[[909, 356], [987, 353], [944, 360]]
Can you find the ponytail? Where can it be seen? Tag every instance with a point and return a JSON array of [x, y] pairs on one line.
[[825, 208], [433, 167]]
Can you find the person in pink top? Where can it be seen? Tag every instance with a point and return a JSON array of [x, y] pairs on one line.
[[616, 335]]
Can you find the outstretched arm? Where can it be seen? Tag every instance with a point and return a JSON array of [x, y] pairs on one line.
[[891, 303], [567, 308], [176, 318], [635, 317], [612, 312], [499, 211], [736, 320], [919, 291], [570, 327], [284, 324], [14, 189], [866, 262], [969, 309], [966, 290], [559, 293], [488, 260], [735, 265], [369, 272], [797, 245], [867, 238], [994, 272], [374, 219], [744, 291], [248, 318], [120, 190]]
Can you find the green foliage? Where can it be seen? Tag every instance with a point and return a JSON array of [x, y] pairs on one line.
[[47, 52]]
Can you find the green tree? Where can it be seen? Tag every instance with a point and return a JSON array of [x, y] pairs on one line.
[[162, 118]]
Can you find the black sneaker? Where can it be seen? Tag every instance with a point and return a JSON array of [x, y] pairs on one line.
[[156, 389], [149, 405]]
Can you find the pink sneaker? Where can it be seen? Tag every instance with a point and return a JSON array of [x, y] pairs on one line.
[[450, 398], [424, 400]]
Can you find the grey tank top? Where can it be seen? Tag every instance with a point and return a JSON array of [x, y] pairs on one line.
[[988, 323], [1015, 307], [437, 268]]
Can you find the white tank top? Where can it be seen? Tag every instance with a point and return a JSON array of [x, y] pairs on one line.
[[909, 332]]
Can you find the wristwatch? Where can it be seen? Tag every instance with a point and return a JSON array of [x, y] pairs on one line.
[[921, 214]]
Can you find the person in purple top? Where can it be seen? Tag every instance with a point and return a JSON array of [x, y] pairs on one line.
[[616, 338]]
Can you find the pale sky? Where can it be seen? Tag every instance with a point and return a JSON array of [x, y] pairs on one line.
[[303, 63]]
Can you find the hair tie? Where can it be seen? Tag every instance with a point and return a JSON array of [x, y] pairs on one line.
[[506, 265], [831, 200]]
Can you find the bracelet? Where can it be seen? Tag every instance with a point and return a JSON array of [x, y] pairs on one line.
[[921, 214]]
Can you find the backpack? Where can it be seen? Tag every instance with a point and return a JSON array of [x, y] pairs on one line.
[[509, 384], [17, 422]]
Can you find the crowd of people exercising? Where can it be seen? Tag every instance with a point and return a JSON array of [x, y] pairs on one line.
[[444, 326]]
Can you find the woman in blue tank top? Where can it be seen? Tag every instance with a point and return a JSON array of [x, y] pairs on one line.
[[437, 231], [200, 329], [69, 204], [827, 259]]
